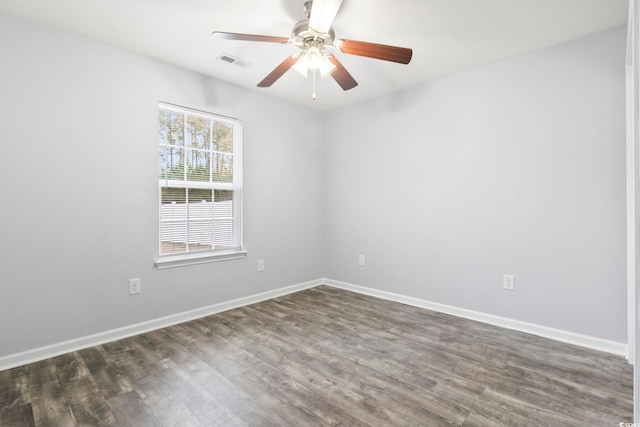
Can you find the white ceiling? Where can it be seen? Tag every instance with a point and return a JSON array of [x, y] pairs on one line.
[[446, 36]]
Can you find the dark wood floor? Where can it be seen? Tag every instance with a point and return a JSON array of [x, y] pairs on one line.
[[323, 357]]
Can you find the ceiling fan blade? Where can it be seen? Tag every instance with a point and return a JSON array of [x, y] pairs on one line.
[[221, 35], [279, 71], [341, 75], [401, 55], [323, 12]]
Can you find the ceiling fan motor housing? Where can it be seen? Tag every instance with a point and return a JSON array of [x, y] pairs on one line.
[[303, 36]]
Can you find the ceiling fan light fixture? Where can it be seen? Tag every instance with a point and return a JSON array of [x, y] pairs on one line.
[[311, 36], [313, 59], [300, 66], [326, 67]]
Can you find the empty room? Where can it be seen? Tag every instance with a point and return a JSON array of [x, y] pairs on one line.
[[290, 213]]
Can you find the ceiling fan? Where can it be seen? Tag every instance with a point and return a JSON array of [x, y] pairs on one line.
[[313, 36]]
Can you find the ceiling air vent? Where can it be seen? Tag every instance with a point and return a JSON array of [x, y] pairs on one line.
[[225, 57]]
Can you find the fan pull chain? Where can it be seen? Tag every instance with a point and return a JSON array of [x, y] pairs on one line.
[[313, 95]]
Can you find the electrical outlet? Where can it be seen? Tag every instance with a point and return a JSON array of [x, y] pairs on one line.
[[134, 286], [361, 260], [260, 265], [509, 282]]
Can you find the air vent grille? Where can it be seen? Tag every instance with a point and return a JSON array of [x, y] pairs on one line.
[[230, 59]]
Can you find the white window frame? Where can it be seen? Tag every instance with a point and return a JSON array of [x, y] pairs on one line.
[[204, 256]]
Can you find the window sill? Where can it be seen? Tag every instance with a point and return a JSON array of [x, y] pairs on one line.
[[182, 260]]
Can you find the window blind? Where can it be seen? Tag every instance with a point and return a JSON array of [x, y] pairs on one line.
[[199, 178]]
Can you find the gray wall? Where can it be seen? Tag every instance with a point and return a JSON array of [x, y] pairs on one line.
[[514, 167], [79, 198]]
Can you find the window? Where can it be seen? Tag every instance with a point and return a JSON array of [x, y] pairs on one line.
[[200, 187]]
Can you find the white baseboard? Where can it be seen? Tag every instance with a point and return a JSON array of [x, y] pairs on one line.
[[613, 347], [41, 353]]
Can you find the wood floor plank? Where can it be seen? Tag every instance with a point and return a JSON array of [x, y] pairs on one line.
[[49, 405], [235, 422], [87, 404], [15, 399], [130, 411], [320, 357], [236, 399], [106, 373]]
